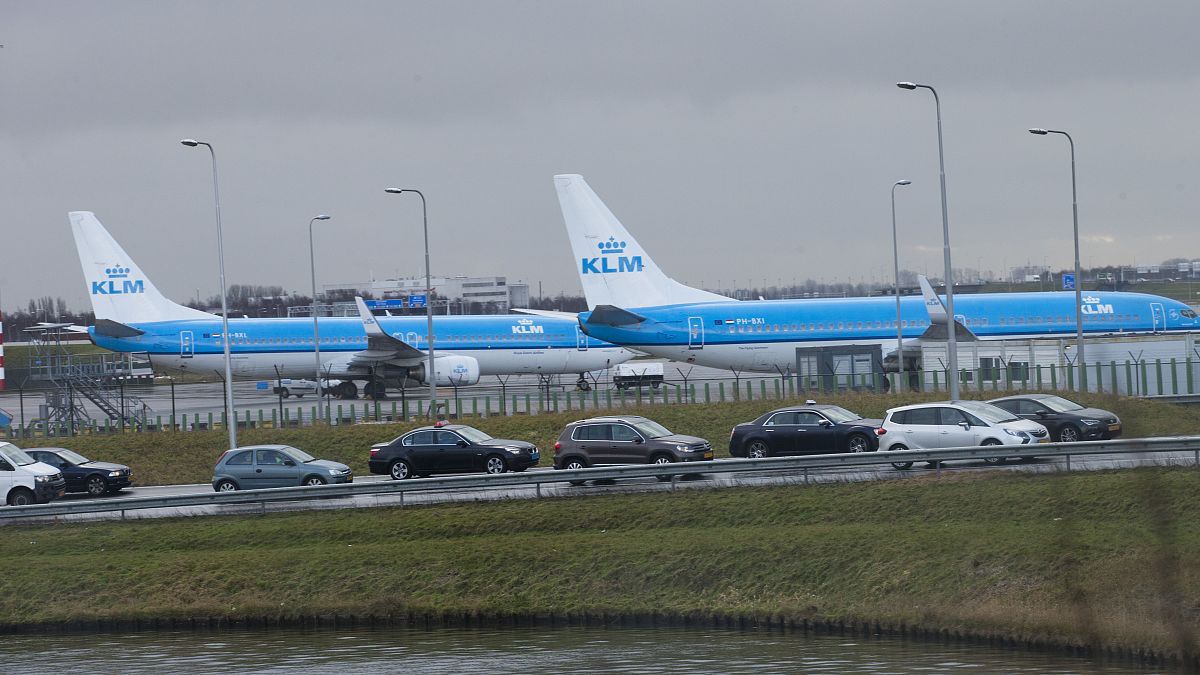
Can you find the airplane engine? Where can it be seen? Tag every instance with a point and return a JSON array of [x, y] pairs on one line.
[[449, 371]]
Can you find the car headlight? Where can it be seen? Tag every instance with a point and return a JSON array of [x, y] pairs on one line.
[[114, 474], [1090, 422], [515, 451], [1018, 434], [43, 479], [338, 472]]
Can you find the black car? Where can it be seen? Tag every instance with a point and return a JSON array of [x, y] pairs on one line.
[[83, 474], [805, 430], [1066, 420], [450, 448]]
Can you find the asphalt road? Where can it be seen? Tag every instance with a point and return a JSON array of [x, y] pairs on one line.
[[712, 480]]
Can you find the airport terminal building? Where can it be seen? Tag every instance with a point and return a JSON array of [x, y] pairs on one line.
[[460, 291]]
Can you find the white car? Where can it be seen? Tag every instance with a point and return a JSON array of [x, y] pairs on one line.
[[957, 424]]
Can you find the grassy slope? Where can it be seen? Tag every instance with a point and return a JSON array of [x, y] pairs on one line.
[[164, 458], [1069, 557]]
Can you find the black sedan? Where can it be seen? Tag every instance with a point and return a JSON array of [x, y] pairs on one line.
[[1066, 420], [450, 448], [805, 430], [83, 474]]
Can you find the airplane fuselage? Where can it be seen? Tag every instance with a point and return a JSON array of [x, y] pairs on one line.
[[502, 344], [763, 335]]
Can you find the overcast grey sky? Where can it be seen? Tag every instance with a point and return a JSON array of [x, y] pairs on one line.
[[737, 140]]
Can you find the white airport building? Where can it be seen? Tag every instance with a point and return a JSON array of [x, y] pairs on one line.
[[459, 291]]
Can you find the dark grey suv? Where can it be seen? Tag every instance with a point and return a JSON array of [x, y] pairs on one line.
[[629, 439]]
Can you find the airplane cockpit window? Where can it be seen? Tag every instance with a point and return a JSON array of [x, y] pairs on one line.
[[1187, 313]]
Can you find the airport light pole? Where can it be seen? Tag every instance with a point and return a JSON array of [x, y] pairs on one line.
[[1078, 273], [231, 416], [896, 262], [312, 260], [951, 340], [429, 371]]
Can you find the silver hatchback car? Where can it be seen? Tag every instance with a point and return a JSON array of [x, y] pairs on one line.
[[271, 466]]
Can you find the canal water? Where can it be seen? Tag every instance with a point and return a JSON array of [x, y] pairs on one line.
[[515, 650]]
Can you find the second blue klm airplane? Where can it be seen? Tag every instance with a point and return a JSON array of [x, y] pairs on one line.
[[133, 316], [633, 303]]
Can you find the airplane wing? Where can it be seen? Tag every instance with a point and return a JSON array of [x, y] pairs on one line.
[[381, 347], [937, 317]]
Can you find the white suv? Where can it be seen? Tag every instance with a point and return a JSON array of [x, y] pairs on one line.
[[956, 424]]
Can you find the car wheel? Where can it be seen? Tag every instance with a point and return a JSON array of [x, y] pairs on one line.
[[21, 497], [900, 466], [313, 481], [96, 486], [284, 392], [573, 464], [662, 459], [858, 443], [495, 464], [1068, 434], [226, 485], [400, 470], [758, 450], [993, 460]]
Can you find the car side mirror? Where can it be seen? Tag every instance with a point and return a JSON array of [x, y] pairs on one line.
[[1041, 413], [825, 423], [461, 444], [965, 425], [639, 439], [288, 462]]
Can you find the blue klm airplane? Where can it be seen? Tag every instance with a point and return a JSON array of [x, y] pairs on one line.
[[133, 316], [634, 304]]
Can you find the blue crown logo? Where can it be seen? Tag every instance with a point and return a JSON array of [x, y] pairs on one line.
[[612, 246], [117, 272]]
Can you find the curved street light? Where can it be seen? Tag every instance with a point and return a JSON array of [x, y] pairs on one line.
[[430, 372], [1078, 273], [231, 414], [951, 328]]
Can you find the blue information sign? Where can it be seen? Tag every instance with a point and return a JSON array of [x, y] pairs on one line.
[[392, 303], [1068, 282], [416, 301]]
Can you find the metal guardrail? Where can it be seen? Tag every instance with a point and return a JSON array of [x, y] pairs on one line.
[[538, 478]]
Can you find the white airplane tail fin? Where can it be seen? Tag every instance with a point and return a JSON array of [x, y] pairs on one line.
[[933, 304], [119, 290], [613, 268]]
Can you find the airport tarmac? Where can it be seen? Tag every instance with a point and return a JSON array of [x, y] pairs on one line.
[[208, 398]]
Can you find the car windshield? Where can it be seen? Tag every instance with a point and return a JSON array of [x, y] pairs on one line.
[[988, 412], [472, 434], [1059, 404], [299, 454], [73, 457], [839, 415], [15, 455], [651, 429]]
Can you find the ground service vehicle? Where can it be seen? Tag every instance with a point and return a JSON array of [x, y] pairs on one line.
[[1066, 420], [271, 466], [450, 448], [630, 439], [639, 374], [957, 424], [802, 430], [83, 474], [24, 480]]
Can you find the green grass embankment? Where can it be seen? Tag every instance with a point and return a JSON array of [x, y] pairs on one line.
[[1101, 558], [188, 457]]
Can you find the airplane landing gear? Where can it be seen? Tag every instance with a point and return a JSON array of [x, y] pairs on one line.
[[347, 391], [582, 384]]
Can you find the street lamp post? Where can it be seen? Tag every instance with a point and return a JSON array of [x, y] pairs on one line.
[[1078, 274], [951, 340], [312, 259], [231, 414], [896, 262], [429, 370]]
